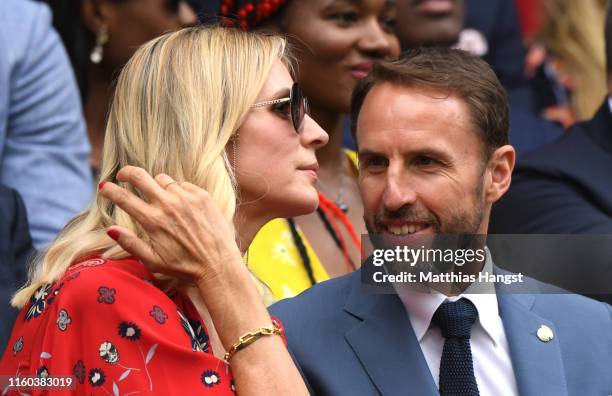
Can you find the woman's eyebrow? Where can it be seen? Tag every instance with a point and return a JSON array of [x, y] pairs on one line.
[[280, 94]]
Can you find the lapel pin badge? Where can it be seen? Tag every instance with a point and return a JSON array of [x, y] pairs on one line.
[[545, 334]]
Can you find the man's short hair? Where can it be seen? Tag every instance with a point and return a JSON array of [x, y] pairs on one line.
[[449, 72], [609, 37]]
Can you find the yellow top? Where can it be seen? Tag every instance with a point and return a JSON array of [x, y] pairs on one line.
[[275, 260]]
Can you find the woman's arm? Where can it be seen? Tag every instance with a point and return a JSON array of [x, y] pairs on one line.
[[190, 239]]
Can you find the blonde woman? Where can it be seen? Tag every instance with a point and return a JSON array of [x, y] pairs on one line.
[[572, 35], [204, 109]]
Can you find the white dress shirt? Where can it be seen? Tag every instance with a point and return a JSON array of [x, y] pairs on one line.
[[490, 351]]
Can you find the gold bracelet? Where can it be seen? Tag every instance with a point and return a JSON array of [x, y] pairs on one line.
[[251, 337]]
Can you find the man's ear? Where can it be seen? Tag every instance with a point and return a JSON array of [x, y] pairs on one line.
[[499, 173]]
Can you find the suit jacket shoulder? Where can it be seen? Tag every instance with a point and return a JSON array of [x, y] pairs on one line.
[[586, 145], [564, 187]]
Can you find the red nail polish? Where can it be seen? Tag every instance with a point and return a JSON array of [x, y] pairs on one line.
[[101, 185], [114, 234]]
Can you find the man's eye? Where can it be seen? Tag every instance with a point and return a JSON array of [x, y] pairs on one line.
[[425, 161], [374, 163], [345, 18]]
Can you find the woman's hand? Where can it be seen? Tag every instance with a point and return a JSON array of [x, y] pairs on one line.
[[189, 238]]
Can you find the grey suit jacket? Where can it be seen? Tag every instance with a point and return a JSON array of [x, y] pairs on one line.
[[346, 342]]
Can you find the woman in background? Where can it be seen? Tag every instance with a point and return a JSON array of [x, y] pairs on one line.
[[92, 311], [567, 60], [335, 44], [100, 36]]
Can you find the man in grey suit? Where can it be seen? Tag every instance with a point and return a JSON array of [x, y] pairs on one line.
[[432, 136]]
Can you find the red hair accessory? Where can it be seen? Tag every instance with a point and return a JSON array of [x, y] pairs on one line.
[[248, 14]]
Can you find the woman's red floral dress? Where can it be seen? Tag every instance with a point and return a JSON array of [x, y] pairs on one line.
[[109, 326]]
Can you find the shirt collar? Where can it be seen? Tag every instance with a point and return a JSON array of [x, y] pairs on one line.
[[422, 304]]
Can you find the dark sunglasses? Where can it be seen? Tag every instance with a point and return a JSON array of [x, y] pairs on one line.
[[298, 106]]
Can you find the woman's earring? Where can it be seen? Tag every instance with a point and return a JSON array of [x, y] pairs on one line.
[[234, 144], [98, 51]]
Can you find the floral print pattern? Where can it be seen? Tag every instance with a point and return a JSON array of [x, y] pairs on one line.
[[135, 340], [42, 372], [158, 314], [17, 346], [39, 302], [79, 371], [63, 320], [129, 331], [96, 377], [210, 378], [54, 293], [106, 295], [109, 353], [193, 328]]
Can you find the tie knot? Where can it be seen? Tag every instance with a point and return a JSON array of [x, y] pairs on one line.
[[455, 319]]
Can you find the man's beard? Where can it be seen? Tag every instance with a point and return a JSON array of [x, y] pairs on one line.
[[458, 223], [459, 230]]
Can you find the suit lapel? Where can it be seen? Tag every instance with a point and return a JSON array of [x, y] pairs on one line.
[[600, 127], [391, 355], [538, 365]]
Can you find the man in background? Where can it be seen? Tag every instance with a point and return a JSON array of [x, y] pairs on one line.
[[566, 187], [489, 29], [44, 149]]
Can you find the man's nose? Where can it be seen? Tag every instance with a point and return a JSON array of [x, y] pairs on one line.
[[398, 191]]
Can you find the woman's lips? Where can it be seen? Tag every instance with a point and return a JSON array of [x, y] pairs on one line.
[[359, 74], [361, 70], [435, 6], [312, 174], [310, 170]]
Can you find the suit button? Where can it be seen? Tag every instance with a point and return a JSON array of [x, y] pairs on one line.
[[545, 334]]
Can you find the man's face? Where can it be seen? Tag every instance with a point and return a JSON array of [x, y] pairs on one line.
[[422, 168], [429, 22]]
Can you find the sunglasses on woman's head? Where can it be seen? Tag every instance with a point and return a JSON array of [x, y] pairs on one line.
[[298, 106]]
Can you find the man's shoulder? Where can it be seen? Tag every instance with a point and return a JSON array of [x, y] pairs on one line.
[[23, 24], [20, 16], [566, 156], [573, 314], [574, 308], [584, 327], [321, 300], [21, 10]]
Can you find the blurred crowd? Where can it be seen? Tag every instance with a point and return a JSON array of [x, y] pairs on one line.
[[60, 61]]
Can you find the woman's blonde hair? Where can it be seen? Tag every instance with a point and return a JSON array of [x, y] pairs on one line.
[[177, 103], [574, 32]]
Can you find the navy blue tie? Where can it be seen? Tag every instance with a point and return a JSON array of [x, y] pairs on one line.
[[455, 320]]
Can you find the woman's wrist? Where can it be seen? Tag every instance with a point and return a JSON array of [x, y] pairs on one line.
[[234, 304]]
